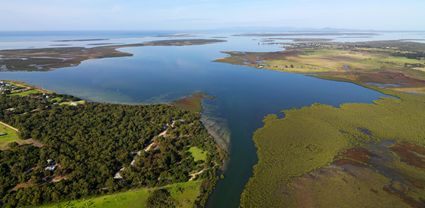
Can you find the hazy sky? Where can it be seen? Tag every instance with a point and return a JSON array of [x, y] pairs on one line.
[[210, 14]]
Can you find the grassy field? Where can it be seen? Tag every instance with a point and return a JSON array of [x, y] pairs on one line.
[[31, 89], [26, 93], [185, 195], [198, 154], [365, 65], [11, 136], [57, 99], [311, 137], [331, 60], [74, 103]]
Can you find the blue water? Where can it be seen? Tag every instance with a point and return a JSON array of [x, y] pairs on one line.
[[243, 96]]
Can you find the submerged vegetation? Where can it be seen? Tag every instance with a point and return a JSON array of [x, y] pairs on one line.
[[191, 103], [355, 155], [82, 149]]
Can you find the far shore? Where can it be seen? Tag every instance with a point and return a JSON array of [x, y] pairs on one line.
[[45, 59]]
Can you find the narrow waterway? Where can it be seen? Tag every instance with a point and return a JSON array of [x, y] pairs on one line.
[[243, 96]]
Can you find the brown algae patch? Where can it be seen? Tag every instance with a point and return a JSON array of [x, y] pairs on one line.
[[356, 156], [411, 154], [369, 176], [191, 103], [337, 187]]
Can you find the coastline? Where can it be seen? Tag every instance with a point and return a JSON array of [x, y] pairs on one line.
[[47, 59], [205, 185], [278, 136], [372, 135]]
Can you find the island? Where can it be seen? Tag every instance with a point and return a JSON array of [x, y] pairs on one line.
[[61, 151], [273, 40], [307, 34], [45, 59], [354, 155], [82, 40]]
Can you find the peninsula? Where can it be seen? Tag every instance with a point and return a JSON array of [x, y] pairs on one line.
[[59, 150], [45, 59]]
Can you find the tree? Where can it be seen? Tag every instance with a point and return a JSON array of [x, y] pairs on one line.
[[160, 198]]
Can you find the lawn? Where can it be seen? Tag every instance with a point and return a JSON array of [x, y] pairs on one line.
[[31, 89], [11, 136], [74, 103], [57, 99], [184, 193], [198, 154], [26, 93]]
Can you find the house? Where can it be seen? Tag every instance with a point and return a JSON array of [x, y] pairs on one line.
[[118, 175], [10, 109], [51, 165]]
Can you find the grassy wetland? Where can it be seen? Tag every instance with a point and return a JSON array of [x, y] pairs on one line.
[[354, 155], [306, 145]]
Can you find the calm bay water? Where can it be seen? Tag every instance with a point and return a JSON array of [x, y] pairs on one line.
[[243, 96]]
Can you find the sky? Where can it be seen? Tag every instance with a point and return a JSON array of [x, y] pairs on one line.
[[210, 14]]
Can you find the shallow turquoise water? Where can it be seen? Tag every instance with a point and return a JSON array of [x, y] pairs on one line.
[[243, 96]]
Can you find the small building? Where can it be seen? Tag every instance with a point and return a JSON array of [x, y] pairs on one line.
[[118, 175], [51, 165], [3, 134]]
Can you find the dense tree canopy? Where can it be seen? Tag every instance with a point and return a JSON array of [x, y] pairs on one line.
[[97, 148], [161, 198]]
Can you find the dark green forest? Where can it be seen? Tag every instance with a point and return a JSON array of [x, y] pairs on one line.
[[85, 146]]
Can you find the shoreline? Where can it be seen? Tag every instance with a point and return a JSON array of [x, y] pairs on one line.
[[47, 59], [208, 182], [273, 138], [270, 120]]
